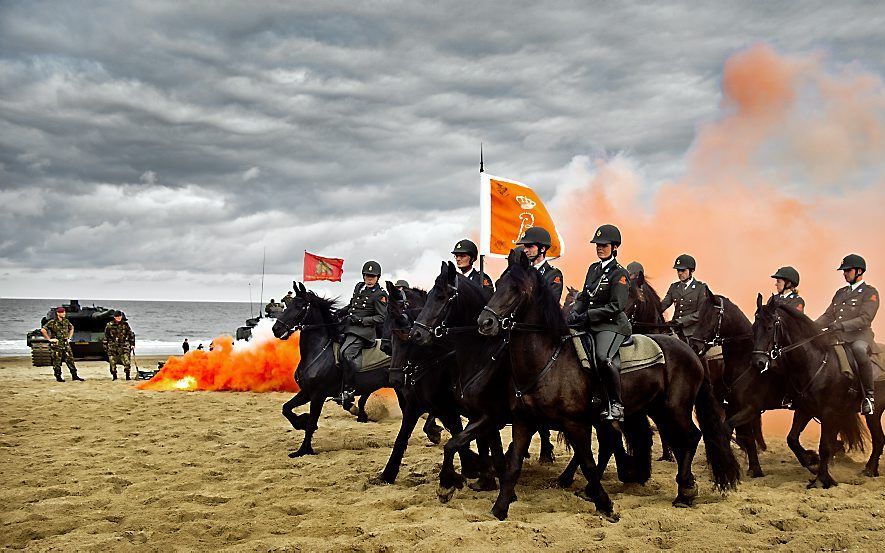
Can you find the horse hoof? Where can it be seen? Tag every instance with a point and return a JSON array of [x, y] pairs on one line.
[[301, 453], [683, 502], [546, 458], [434, 438], [362, 418], [380, 480], [611, 516], [484, 484], [445, 494], [565, 482], [499, 513], [667, 459], [756, 473], [872, 473], [811, 484]]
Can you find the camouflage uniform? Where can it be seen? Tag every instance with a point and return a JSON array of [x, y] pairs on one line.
[[119, 341], [60, 329]]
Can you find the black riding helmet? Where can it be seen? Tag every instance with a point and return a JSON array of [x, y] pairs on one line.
[[372, 268], [685, 261], [853, 261], [607, 234], [536, 235], [789, 274], [468, 247], [635, 268]]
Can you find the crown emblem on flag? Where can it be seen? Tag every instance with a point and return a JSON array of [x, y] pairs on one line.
[[525, 202]]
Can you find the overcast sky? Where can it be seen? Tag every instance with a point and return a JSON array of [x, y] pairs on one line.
[[151, 150]]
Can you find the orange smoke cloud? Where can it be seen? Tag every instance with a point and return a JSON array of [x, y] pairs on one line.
[[264, 364], [789, 173]]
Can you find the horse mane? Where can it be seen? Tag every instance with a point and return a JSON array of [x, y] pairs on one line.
[[653, 296], [551, 312], [805, 325], [326, 306]]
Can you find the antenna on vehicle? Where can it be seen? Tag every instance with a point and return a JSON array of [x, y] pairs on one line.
[[250, 301], [263, 260]]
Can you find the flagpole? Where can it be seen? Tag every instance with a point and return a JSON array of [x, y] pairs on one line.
[[482, 257]]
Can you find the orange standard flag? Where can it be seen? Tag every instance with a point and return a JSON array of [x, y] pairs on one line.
[[509, 208], [322, 268]]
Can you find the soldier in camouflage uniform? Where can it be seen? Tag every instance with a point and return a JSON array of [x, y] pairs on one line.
[[119, 341], [288, 298], [59, 332], [367, 308], [687, 295], [851, 315], [466, 253], [536, 241], [786, 283], [599, 309]]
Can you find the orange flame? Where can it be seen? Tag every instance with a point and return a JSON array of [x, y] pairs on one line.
[[264, 364]]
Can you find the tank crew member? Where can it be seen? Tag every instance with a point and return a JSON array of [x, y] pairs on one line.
[[687, 295], [786, 283], [599, 308], [466, 253], [59, 332], [401, 285], [536, 241], [367, 308], [851, 315], [270, 307], [119, 341], [288, 298]]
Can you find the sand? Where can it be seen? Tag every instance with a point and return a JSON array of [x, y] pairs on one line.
[[99, 466]]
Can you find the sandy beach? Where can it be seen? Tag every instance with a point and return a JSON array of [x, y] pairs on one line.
[[100, 466]]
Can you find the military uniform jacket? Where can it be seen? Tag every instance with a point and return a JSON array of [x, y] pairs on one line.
[[791, 300], [370, 305], [481, 279], [119, 335], [59, 329], [553, 276], [855, 309], [604, 298], [687, 301]]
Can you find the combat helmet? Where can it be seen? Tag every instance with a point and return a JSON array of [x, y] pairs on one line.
[[536, 235], [635, 268], [402, 284], [607, 234], [466, 246], [372, 268], [853, 261], [787, 273], [685, 261]]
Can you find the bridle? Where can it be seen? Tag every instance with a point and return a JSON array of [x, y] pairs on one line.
[[718, 339], [776, 352], [441, 329]]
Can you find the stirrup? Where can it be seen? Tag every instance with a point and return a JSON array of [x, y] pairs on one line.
[[615, 412], [867, 407]]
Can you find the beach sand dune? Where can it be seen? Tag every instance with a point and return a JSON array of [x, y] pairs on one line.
[[99, 466]]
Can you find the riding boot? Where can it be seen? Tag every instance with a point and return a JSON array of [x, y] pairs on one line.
[[865, 371], [595, 399], [349, 391], [613, 390]]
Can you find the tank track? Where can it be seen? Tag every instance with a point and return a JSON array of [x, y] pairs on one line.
[[40, 355]]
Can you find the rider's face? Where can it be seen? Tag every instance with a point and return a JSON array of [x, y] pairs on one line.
[[370, 280], [531, 251], [462, 260], [780, 285], [683, 274], [603, 251], [849, 275]]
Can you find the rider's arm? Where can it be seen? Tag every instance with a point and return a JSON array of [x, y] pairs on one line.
[[379, 302], [829, 315], [667, 300], [868, 309], [556, 286]]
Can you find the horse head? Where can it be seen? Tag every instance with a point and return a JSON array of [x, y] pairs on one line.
[[439, 301], [767, 331], [294, 314]]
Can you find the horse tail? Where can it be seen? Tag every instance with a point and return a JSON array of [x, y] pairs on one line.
[[638, 435], [717, 438], [853, 431]]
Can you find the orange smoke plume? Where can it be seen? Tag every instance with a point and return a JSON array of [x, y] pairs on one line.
[[789, 173], [264, 364]]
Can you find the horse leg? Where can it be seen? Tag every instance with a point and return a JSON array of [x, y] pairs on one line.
[[828, 432], [432, 430], [470, 461], [579, 436], [874, 423], [666, 452], [406, 427], [567, 478], [807, 459], [298, 422], [522, 435], [449, 480], [546, 455], [683, 437], [757, 433], [486, 481], [746, 439], [316, 407], [361, 415]]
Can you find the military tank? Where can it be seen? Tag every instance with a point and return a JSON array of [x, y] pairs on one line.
[[87, 342], [245, 332]]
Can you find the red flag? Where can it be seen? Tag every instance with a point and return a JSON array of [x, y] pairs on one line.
[[322, 268]]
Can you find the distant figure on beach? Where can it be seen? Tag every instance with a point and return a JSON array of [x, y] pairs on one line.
[[271, 305], [59, 332], [119, 342], [288, 298], [185, 347], [200, 347]]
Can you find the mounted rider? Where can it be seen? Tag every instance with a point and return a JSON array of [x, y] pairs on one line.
[[851, 315], [367, 308], [466, 253], [599, 308], [786, 283], [536, 241], [687, 294]]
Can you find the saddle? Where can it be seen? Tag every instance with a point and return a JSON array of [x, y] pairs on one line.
[[637, 352], [848, 365], [370, 358]]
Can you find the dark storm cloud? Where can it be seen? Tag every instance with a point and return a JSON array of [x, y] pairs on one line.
[[134, 135]]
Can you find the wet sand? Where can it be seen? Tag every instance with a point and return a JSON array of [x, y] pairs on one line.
[[99, 465]]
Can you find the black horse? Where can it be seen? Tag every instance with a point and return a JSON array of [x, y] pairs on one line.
[[743, 392], [317, 374], [422, 374], [789, 344], [549, 386]]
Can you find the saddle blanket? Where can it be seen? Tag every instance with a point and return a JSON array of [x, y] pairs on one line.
[[714, 354], [370, 358], [640, 353], [845, 365]]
